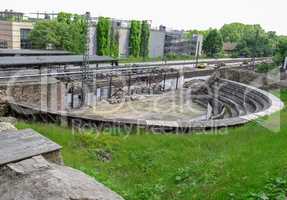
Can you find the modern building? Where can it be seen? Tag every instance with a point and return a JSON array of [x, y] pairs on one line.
[[156, 43], [156, 40], [177, 43], [14, 30], [11, 15]]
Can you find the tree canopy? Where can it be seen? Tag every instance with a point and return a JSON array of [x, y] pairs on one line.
[[281, 50], [255, 42], [204, 33], [213, 43], [232, 32], [66, 32], [250, 40]]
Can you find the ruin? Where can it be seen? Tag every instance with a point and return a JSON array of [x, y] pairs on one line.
[[161, 96]]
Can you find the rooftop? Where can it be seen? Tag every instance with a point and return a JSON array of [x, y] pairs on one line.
[[31, 52], [24, 61]]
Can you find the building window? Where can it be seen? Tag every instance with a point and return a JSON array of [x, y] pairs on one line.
[[3, 44], [24, 37]]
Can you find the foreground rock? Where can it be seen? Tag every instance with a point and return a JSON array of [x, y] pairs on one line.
[[37, 179], [11, 120], [5, 126]]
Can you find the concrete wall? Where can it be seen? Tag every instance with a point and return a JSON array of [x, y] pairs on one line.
[[156, 43], [124, 42], [93, 41]]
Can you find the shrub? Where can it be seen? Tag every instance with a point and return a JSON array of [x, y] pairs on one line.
[[265, 67]]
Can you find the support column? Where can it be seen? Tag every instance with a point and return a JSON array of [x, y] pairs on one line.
[[89, 92], [43, 89], [61, 91], [129, 85], [110, 87], [52, 96], [177, 78], [164, 77]]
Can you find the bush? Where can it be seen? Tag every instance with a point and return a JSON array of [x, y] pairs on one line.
[[265, 67]]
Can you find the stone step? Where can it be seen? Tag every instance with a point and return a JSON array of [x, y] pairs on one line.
[[23, 144]]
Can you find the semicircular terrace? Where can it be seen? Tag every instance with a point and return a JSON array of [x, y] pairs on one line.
[[236, 104]]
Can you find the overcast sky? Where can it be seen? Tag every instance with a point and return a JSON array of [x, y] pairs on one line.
[[179, 14]]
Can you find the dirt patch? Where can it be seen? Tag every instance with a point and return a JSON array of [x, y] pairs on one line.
[[175, 105]]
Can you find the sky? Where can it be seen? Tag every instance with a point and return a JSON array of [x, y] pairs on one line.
[[177, 14]]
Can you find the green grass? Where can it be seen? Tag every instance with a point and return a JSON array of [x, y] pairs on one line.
[[249, 162]]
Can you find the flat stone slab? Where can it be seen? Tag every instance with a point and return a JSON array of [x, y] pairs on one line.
[[23, 144]]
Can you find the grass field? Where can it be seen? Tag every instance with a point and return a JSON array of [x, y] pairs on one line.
[[249, 162]]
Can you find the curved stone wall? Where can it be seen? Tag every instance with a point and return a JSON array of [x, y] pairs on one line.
[[239, 104]]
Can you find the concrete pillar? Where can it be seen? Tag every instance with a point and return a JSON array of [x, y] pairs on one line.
[[89, 94], [61, 91], [52, 96], [43, 89]]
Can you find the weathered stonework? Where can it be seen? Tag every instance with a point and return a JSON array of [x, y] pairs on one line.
[[37, 179], [47, 96]]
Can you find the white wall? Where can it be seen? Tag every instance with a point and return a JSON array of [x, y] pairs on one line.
[[124, 42], [156, 43]]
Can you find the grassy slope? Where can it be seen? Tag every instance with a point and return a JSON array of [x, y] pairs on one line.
[[226, 166]]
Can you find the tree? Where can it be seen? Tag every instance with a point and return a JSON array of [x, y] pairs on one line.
[[145, 35], [213, 44], [254, 42], [281, 50], [103, 36], [114, 42], [190, 33], [232, 32], [66, 32], [43, 34], [135, 39]]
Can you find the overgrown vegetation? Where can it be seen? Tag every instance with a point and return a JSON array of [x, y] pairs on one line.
[[135, 39], [66, 32], [250, 40], [213, 44], [265, 67], [104, 36], [145, 35], [114, 44], [248, 162], [281, 51]]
